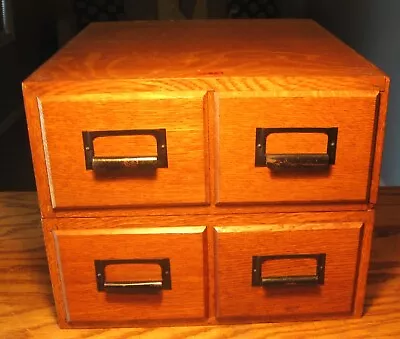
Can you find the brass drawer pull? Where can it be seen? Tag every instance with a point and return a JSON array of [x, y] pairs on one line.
[[317, 279], [115, 163], [294, 161], [125, 162], [133, 286]]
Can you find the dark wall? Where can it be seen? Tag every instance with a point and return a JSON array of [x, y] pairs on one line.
[[35, 40], [9, 87], [293, 8], [373, 29]]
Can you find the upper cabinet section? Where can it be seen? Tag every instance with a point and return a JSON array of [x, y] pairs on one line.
[[207, 49], [205, 112]]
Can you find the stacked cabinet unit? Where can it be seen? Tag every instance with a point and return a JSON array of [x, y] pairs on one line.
[[205, 172]]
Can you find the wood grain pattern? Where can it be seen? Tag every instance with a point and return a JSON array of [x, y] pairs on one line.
[[182, 49], [37, 151], [295, 85], [78, 249], [199, 220], [289, 267], [65, 119], [296, 143], [54, 269], [209, 210], [67, 163], [386, 214], [92, 228], [377, 151], [209, 105], [235, 246], [346, 180], [299, 59], [210, 111], [209, 96], [140, 145], [364, 256], [27, 307]]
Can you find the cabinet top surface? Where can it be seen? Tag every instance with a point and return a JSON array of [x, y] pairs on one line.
[[204, 49]]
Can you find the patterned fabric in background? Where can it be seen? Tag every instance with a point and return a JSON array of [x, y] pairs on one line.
[[252, 9], [88, 11]]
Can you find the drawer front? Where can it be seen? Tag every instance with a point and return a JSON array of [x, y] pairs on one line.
[[122, 150], [132, 274], [283, 270], [275, 149]]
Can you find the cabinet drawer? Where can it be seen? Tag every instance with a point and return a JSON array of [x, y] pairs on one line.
[[132, 274], [295, 149], [124, 150], [283, 270]]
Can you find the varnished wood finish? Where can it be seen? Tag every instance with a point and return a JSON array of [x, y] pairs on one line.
[[199, 220], [295, 85], [54, 270], [209, 210], [364, 255], [378, 146], [77, 250], [107, 228], [37, 151], [346, 180], [236, 246], [386, 216], [27, 307], [192, 49], [332, 71], [207, 83], [64, 120]]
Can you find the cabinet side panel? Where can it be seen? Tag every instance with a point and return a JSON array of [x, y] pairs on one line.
[[59, 300], [379, 143], [363, 264], [38, 158]]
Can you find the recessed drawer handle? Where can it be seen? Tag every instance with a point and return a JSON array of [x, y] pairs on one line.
[[125, 162], [293, 161], [133, 286], [317, 279]]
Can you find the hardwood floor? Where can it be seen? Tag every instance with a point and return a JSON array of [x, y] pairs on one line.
[[27, 311]]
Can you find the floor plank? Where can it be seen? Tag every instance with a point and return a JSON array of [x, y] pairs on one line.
[[27, 311]]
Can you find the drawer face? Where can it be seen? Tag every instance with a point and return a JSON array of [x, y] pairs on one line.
[[132, 274], [295, 139], [283, 270], [135, 151]]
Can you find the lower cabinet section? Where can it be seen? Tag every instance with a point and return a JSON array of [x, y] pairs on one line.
[[280, 269], [284, 270], [132, 274]]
